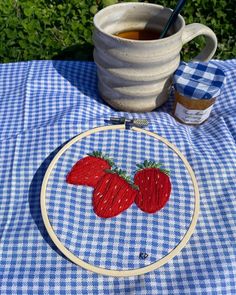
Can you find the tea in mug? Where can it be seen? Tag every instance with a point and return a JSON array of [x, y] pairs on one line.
[[145, 34]]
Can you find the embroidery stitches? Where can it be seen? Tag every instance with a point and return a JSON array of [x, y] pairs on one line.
[[154, 186], [88, 171], [114, 192]]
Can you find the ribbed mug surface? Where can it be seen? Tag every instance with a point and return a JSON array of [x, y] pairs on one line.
[[135, 75]]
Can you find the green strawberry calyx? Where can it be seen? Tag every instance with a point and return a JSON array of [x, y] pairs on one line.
[[151, 164], [99, 154], [123, 174]]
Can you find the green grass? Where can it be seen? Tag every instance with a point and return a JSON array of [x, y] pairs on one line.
[[63, 29]]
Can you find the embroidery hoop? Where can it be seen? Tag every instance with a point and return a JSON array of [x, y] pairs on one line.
[[110, 272]]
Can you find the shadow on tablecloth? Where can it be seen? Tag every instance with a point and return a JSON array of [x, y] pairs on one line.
[[83, 76], [35, 211], [34, 199]]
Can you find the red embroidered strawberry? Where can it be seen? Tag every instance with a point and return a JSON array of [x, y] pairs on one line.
[[113, 194], [89, 170], [154, 187]]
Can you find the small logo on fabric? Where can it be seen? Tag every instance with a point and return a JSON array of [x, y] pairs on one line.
[[143, 255]]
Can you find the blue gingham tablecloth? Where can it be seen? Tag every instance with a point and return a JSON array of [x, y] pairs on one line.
[[43, 104], [116, 243]]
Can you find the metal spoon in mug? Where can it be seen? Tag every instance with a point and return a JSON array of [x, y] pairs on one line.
[[172, 18]]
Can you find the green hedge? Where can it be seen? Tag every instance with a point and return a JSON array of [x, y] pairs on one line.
[[63, 29]]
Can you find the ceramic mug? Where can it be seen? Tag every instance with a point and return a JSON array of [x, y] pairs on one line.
[[135, 75]]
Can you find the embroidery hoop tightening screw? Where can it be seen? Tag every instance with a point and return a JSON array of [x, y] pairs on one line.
[[129, 123]]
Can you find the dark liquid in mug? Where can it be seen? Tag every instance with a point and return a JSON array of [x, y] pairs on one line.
[[139, 34]]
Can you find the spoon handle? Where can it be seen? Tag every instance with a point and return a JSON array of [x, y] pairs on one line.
[[173, 17]]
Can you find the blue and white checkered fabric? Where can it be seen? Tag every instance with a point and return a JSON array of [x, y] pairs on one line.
[[43, 104], [116, 243], [199, 80]]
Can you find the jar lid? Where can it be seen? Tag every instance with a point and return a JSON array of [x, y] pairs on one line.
[[199, 80]]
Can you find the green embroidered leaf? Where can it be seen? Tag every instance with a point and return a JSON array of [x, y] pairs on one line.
[[151, 164], [123, 174], [99, 154]]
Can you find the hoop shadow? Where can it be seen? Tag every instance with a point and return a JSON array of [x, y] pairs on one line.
[[34, 199]]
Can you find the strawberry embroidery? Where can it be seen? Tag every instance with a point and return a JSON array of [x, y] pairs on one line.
[[88, 171], [113, 194], [113, 190], [154, 187]]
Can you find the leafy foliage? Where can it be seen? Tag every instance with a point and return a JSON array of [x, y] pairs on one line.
[[219, 15], [63, 29]]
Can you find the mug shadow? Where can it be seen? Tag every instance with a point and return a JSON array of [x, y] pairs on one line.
[[81, 75], [82, 52], [34, 199], [84, 77], [167, 106]]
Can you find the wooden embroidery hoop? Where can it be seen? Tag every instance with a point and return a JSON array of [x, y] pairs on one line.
[[110, 272]]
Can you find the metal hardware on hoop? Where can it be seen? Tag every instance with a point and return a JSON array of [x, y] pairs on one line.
[[129, 123]]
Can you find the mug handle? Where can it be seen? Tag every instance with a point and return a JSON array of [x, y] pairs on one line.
[[192, 31]]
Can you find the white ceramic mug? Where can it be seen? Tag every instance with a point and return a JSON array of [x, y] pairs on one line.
[[135, 75]]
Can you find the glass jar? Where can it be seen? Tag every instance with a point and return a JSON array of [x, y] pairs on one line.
[[197, 85]]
